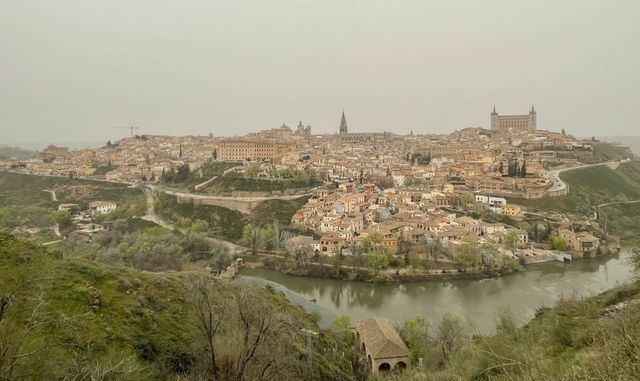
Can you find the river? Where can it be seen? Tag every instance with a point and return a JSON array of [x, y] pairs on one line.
[[523, 293]]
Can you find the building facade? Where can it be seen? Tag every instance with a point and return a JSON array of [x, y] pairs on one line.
[[244, 149], [503, 123]]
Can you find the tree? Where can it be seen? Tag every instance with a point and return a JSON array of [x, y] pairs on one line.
[[466, 198], [209, 312], [501, 167], [523, 169], [451, 334], [261, 324], [378, 259], [563, 132], [340, 327], [338, 259], [253, 236], [558, 243], [467, 255], [357, 256], [252, 170], [215, 154], [413, 260], [371, 242], [511, 240], [414, 332]]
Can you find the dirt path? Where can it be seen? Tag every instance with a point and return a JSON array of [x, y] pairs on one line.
[[54, 197]]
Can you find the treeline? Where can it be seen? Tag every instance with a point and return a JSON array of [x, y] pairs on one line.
[[150, 247]]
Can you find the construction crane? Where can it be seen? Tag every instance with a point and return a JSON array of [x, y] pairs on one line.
[[130, 128]]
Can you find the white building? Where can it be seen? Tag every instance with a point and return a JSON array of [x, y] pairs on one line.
[[102, 207]]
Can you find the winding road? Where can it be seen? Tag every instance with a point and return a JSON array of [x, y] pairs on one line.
[[559, 184], [152, 216]]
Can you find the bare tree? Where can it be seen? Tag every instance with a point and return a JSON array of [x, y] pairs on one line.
[[261, 322], [209, 313]]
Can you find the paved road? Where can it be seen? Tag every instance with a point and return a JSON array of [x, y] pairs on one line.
[[617, 203], [558, 184]]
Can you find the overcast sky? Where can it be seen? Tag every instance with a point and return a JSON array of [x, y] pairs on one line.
[[69, 69]]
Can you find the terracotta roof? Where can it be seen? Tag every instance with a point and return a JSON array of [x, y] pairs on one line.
[[381, 339]]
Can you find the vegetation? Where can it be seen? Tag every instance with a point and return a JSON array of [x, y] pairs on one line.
[[184, 178], [233, 182], [27, 200], [277, 210], [597, 338], [607, 152], [150, 247], [223, 223], [67, 318], [589, 187]]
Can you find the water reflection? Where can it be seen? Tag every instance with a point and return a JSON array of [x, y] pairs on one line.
[[523, 293]]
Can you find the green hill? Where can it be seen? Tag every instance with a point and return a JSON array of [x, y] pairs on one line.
[[68, 318], [594, 186]]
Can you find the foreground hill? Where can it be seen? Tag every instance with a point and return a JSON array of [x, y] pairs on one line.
[[68, 318]]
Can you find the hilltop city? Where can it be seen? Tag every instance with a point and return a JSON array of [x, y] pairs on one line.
[[396, 190]]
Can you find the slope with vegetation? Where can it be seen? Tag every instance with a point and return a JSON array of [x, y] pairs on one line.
[[597, 338], [27, 200], [64, 317], [599, 189]]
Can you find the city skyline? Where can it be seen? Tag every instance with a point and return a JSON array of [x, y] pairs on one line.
[[72, 70]]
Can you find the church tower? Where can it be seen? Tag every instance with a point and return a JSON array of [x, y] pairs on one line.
[[495, 125], [533, 124], [343, 125]]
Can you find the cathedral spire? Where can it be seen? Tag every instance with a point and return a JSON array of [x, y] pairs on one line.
[[343, 124]]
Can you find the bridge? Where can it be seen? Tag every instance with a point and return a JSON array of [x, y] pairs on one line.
[[562, 257]]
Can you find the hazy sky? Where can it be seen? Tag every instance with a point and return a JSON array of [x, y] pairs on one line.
[[69, 69]]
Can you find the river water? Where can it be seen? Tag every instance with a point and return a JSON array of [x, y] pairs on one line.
[[523, 293]]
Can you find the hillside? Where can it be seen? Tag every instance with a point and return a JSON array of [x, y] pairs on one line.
[[16, 152], [597, 338], [594, 186], [69, 318]]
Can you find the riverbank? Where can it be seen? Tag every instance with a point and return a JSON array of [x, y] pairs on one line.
[[523, 293], [347, 273]]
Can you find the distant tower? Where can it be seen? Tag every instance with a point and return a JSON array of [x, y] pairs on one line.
[[494, 120], [532, 119], [343, 125]]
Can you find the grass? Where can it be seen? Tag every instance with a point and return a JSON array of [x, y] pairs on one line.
[[209, 170], [277, 210], [224, 223], [607, 152], [21, 190], [589, 187], [95, 315], [237, 183]]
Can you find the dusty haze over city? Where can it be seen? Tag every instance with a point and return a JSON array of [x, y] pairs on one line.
[[71, 69]]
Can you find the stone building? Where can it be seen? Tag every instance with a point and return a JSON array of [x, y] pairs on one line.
[[518, 123], [250, 149], [382, 345]]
